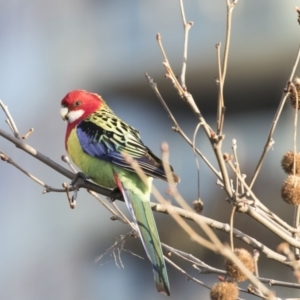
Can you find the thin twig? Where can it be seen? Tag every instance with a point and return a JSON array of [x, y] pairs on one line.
[[292, 86], [52, 164], [256, 257], [216, 145], [237, 184], [106, 192], [230, 7], [231, 228], [269, 215], [47, 187], [126, 220], [196, 158], [265, 222], [66, 159], [10, 121], [113, 212], [177, 128], [172, 186], [27, 134], [297, 208], [187, 27], [159, 208], [222, 227], [180, 200], [189, 277], [270, 141], [191, 232], [216, 246], [186, 96], [119, 247], [222, 73], [71, 199], [220, 109], [296, 225], [204, 268], [216, 141]]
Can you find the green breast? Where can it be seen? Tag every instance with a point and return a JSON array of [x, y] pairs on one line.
[[98, 170]]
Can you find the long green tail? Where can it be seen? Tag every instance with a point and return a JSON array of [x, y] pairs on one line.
[[139, 207]]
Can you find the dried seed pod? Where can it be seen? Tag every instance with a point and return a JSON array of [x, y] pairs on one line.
[[290, 191], [293, 94], [198, 206], [227, 157], [287, 163], [246, 258], [284, 248], [224, 291]]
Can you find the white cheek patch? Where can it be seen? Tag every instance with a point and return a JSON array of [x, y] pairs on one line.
[[74, 115]]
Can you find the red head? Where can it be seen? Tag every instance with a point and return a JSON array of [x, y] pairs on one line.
[[79, 104], [76, 106]]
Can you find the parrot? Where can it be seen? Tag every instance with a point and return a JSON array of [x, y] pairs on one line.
[[95, 140]]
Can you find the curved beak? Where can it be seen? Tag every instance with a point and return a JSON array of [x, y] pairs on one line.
[[64, 113]]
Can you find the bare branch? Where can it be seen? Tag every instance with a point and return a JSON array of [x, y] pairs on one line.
[[196, 158], [231, 228], [270, 141], [66, 159], [189, 277], [113, 212], [216, 245], [10, 120], [216, 142], [26, 135], [204, 268], [55, 166], [191, 232], [268, 216], [187, 27], [71, 199], [236, 162], [177, 128], [47, 187], [116, 249], [230, 7], [240, 194], [168, 209], [220, 83]]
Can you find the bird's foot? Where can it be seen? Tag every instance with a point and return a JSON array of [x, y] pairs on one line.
[[115, 194], [78, 180]]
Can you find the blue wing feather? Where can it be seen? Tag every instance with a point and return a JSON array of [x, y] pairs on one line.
[[108, 145]]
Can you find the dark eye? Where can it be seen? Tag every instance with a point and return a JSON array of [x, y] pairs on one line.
[[77, 103]]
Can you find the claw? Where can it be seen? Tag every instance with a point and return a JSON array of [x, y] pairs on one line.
[[115, 194], [78, 180], [72, 201]]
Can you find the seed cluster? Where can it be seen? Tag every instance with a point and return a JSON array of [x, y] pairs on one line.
[[290, 191], [233, 270], [224, 291], [295, 93]]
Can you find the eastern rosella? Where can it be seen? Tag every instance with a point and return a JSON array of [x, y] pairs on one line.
[[95, 140]]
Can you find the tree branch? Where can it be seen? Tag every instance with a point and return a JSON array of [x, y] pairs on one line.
[[55, 166]]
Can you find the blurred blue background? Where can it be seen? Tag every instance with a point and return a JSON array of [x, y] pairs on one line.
[[51, 47]]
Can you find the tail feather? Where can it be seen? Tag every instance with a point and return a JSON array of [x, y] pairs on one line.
[[141, 212]]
